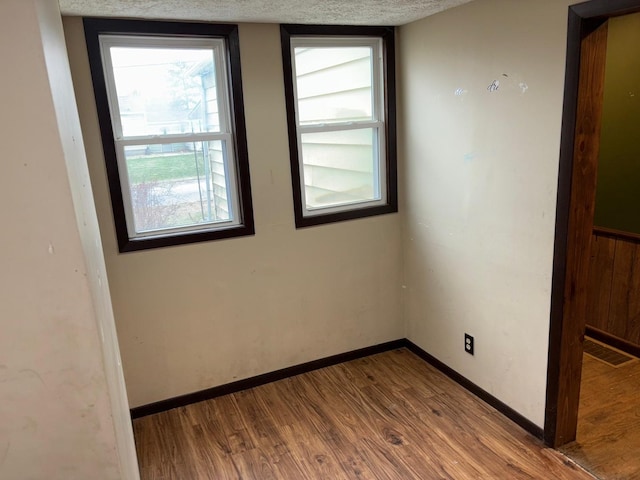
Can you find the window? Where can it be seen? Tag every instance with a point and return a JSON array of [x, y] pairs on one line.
[[340, 91], [170, 108]]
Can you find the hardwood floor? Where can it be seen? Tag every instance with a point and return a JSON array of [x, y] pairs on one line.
[[387, 416], [608, 440]]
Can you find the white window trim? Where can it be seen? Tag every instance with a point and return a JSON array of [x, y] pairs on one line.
[[225, 135], [377, 124]]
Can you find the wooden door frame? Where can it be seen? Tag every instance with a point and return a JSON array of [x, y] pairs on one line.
[[579, 144]]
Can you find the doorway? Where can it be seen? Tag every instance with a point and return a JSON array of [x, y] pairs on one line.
[[580, 141]]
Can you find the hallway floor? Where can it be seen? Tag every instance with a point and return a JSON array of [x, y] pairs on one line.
[[608, 440]]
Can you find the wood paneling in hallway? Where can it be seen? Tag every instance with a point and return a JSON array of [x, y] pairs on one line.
[[613, 304], [387, 416]]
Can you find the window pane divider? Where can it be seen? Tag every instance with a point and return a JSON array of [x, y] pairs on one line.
[[167, 139], [338, 127]]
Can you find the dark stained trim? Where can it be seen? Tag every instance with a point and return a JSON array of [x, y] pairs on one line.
[[209, 393], [572, 76], [285, 42], [583, 18], [613, 233], [612, 340], [604, 9], [579, 229], [94, 27], [482, 394], [388, 35]]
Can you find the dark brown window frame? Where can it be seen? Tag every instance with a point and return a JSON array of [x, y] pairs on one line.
[[387, 34], [94, 27]]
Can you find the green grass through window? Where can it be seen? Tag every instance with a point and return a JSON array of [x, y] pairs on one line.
[[164, 167]]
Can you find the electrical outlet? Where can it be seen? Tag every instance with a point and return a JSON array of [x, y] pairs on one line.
[[468, 344]]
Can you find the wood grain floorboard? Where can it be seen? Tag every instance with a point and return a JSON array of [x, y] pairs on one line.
[[608, 440], [389, 416]]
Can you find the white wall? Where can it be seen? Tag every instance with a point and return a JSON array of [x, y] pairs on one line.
[[479, 190], [57, 419], [196, 316]]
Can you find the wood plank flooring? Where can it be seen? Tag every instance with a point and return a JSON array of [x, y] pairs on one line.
[[387, 416], [608, 440]]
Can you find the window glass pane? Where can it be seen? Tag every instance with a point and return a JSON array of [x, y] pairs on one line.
[[177, 185], [334, 84], [340, 167], [165, 90]]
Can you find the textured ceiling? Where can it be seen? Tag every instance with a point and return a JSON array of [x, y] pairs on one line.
[[339, 12]]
